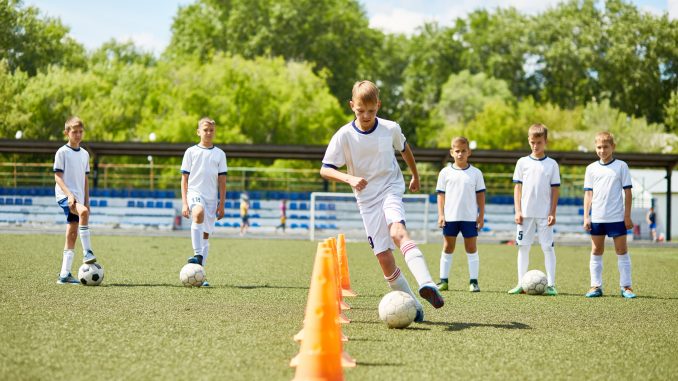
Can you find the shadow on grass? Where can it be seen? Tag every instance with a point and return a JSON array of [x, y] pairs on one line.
[[143, 285], [379, 363], [256, 286], [458, 326]]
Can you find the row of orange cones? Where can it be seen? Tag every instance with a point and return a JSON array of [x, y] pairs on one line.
[[322, 356]]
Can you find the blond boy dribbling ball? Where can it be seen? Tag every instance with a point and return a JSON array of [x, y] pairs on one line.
[[366, 146]]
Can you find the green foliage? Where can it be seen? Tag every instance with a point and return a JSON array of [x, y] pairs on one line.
[[671, 113], [30, 42]]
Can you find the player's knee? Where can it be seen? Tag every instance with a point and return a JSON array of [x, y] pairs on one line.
[[83, 213], [199, 216]]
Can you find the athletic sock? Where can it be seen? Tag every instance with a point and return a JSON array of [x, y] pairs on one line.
[[523, 260], [205, 251], [550, 263], [473, 265], [66, 262], [397, 282], [84, 238], [416, 262], [624, 265], [445, 265], [596, 268], [196, 237]]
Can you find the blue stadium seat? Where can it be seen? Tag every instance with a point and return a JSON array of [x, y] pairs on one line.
[[2, 201], [94, 203], [169, 205], [294, 226], [293, 206], [228, 205], [331, 207], [18, 201], [103, 203], [150, 204], [256, 205], [9, 201], [28, 201], [135, 193], [130, 203], [139, 204], [158, 204], [333, 226], [255, 224], [236, 224], [226, 224], [303, 206], [322, 207], [304, 226]]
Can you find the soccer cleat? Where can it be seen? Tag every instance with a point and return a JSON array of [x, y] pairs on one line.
[[89, 257], [516, 290], [594, 292], [627, 292], [432, 295], [550, 291], [442, 286], [420, 315], [473, 287], [197, 259], [206, 284], [67, 280]]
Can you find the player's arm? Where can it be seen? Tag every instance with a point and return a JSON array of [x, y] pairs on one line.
[[329, 173], [86, 192], [222, 196], [628, 199], [59, 179], [480, 200], [517, 194], [588, 197], [408, 156], [647, 218], [441, 209], [555, 193], [184, 195]]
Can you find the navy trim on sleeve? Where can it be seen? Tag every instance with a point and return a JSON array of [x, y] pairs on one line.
[[325, 165], [517, 181], [185, 172], [628, 187], [588, 189], [555, 185], [440, 192], [481, 191], [58, 170], [87, 173], [404, 146], [222, 173]]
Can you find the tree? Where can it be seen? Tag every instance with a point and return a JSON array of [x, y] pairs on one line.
[[30, 42], [671, 113]]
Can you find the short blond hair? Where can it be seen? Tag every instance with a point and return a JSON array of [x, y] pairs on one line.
[[365, 92], [459, 140], [206, 121], [538, 130], [73, 122], [605, 137]]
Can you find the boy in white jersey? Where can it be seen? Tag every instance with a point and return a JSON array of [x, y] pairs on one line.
[[609, 215], [71, 166], [535, 198], [366, 146], [461, 208], [203, 189]]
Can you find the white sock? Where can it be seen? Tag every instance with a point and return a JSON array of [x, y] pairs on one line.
[[624, 264], [196, 237], [84, 238], [596, 268], [66, 262], [550, 263], [205, 251], [397, 282], [523, 260], [416, 262], [473, 265], [445, 265]]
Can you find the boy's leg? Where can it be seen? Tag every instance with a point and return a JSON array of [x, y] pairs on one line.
[[68, 254], [83, 215], [470, 244], [624, 265], [596, 266], [392, 275], [446, 259], [524, 236], [548, 247], [197, 232]]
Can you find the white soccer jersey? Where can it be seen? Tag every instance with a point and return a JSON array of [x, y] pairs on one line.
[[370, 155], [204, 166], [537, 177], [607, 181], [460, 187], [74, 164]]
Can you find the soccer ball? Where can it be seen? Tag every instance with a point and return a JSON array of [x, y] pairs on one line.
[[534, 282], [91, 274], [397, 309], [192, 275]]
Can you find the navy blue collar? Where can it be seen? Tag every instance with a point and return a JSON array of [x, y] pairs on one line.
[[611, 161], [199, 146], [535, 159], [74, 149], [371, 130], [461, 169]]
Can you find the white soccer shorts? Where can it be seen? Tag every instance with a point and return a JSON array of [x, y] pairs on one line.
[[378, 217], [210, 208], [525, 231]]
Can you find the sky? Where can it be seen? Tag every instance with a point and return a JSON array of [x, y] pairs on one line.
[[147, 22]]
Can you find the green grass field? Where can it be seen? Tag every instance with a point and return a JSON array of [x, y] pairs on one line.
[[142, 324]]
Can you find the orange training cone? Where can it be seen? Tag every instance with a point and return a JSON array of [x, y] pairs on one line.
[[321, 353], [343, 265], [340, 304]]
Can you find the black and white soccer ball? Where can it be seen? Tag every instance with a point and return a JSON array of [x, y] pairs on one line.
[[91, 274], [534, 282], [192, 275], [397, 309]]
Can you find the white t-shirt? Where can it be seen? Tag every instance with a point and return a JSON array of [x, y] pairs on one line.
[[204, 166], [370, 155], [460, 187], [607, 181], [537, 177], [74, 164]]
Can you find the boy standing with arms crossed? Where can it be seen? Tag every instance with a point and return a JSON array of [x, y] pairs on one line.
[[461, 208], [535, 198], [203, 173], [71, 166], [609, 214], [366, 146]]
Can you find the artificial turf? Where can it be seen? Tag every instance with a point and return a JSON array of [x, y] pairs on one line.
[[142, 324]]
